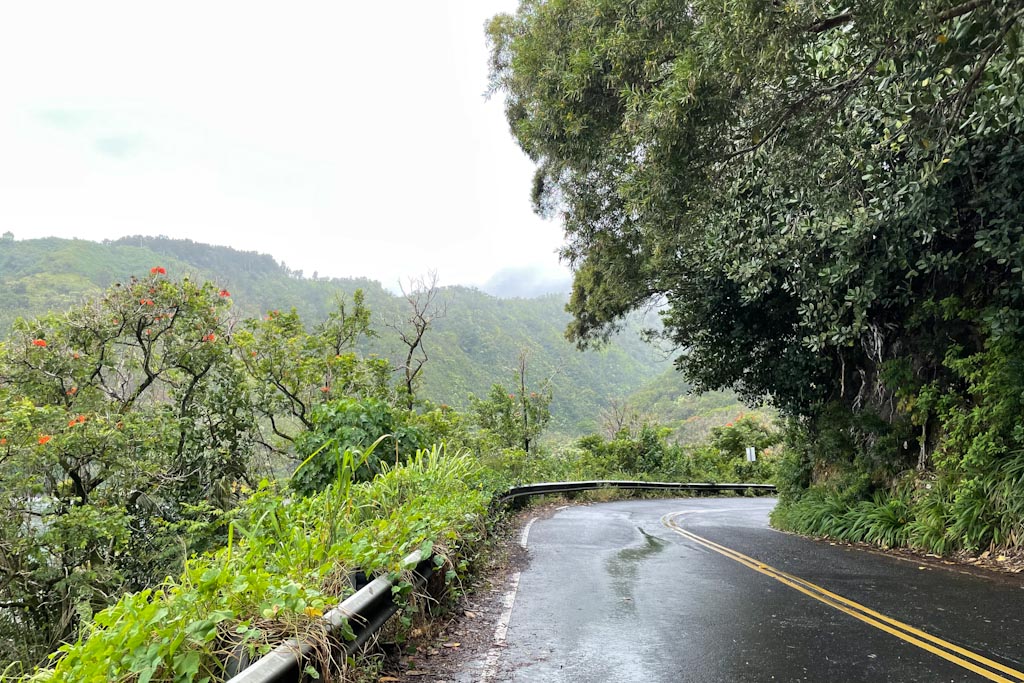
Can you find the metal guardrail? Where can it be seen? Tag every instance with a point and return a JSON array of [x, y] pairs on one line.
[[574, 486], [372, 605], [365, 611]]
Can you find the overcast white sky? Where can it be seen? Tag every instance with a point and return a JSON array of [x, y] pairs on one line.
[[348, 138]]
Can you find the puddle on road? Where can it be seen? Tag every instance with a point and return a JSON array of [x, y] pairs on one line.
[[623, 567]]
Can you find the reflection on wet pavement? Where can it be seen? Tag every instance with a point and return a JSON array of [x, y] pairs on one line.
[[622, 567]]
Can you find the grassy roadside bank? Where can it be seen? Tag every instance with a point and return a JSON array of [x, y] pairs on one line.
[[286, 563], [289, 559]]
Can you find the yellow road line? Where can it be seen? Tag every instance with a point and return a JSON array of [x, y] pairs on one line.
[[838, 598], [880, 621]]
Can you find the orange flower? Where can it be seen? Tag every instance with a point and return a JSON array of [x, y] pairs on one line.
[[252, 353], [210, 337], [72, 423], [158, 270], [44, 439], [72, 391], [81, 419], [39, 342], [224, 293], [75, 356], [3, 442], [325, 389]]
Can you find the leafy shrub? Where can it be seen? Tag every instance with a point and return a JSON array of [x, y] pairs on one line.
[[643, 454], [443, 424], [350, 424], [640, 452], [733, 439], [973, 497]]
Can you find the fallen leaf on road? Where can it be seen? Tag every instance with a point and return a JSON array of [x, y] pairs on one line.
[[452, 644]]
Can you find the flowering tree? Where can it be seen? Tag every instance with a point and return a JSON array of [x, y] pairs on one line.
[[513, 418], [129, 426], [122, 419]]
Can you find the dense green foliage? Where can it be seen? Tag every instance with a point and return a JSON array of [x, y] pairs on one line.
[[348, 424], [644, 453], [128, 426], [120, 429], [828, 198], [287, 563]]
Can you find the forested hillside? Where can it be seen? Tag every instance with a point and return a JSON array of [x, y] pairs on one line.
[[475, 343], [668, 400]]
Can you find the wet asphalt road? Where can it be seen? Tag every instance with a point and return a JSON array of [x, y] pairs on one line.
[[612, 593]]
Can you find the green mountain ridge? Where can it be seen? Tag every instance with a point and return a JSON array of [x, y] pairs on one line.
[[473, 345]]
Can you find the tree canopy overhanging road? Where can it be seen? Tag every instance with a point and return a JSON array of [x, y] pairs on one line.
[[704, 590], [826, 201]]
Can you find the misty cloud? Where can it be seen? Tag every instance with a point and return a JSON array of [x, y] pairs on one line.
[[67, 119], [119, 146], [527, 282]]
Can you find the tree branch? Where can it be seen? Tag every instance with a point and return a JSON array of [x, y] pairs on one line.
[[792, 109], [960, 10], [979, 69], [830, 23]]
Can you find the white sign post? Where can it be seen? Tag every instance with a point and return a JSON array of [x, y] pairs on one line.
[[751, 455]]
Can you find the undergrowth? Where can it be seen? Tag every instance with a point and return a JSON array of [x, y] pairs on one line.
[[940, 515], [287, 562]]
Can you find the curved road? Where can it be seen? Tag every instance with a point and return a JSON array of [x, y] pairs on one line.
[[702, 590]]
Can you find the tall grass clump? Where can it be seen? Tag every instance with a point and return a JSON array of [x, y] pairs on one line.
[[940, 514]]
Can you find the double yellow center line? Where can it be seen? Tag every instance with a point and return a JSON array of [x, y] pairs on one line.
[[993, 671]]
